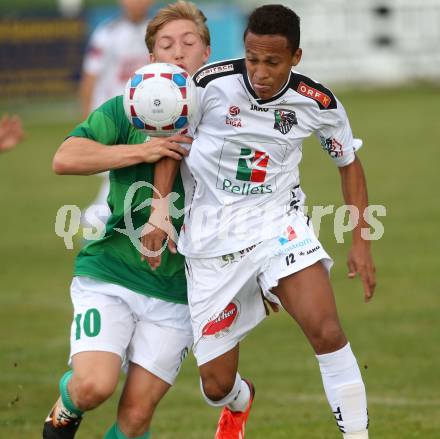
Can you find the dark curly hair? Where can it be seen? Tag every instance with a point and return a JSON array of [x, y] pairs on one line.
[[275, 20]]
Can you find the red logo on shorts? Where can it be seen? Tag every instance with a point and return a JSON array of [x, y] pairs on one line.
[[223, 322]]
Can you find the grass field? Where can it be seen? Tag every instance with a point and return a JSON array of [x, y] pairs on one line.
[[396, 336]]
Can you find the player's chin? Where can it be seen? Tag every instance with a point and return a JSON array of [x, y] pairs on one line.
[[263, 92]]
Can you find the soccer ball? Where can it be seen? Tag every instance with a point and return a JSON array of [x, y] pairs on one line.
[[160, 99]]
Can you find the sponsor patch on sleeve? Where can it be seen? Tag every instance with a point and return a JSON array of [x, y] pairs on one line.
[[314, 94]]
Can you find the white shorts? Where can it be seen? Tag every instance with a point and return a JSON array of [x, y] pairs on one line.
[[224, 293], [144, 330]]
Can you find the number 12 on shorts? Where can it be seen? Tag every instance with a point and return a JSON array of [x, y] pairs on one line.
[[88, 323], [290, 259]]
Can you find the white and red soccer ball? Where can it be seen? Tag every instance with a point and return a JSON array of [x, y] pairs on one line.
[[160, 99]]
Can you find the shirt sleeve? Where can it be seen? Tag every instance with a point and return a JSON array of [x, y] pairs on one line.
[[101, 125], [96, 52], [334, 133]]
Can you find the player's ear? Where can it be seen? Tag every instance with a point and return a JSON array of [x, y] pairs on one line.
[[152, 57], [296, 57], [207, 54]]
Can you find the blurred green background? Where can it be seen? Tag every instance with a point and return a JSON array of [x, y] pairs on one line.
[[396, 336]]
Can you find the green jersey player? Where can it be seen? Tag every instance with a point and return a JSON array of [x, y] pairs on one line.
[[123, 310]]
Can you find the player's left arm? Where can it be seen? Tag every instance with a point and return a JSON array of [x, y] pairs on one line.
[[360, 260], [336, 138]]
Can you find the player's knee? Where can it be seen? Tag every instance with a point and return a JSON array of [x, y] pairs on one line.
[[329, 337], [136, 418], [90, 392], [216, 388]]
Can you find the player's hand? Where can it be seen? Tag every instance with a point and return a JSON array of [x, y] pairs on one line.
[[361, 262], [159, 147], [11, 132], [154, 234]]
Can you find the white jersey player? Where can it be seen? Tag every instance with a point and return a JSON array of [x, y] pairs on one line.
[[244, 229], [115, 51]]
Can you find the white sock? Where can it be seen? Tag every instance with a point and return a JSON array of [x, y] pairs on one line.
[[358, 435], [241, 400], [237, 399], [345, 392]]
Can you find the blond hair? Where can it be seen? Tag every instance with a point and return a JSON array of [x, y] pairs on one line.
[[180, 10]]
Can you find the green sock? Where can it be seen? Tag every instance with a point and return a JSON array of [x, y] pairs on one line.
[[115, 433], [65, 396]]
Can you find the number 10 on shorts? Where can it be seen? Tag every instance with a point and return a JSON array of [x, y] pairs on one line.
[[88, 323]]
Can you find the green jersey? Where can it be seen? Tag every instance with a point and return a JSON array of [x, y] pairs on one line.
[[114, 258]]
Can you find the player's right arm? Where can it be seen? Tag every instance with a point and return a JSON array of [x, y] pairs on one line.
[[83, 156], [105, 141], [159, 225]]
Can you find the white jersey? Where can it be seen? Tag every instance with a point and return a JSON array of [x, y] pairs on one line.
[[241, 177], [116, 49]]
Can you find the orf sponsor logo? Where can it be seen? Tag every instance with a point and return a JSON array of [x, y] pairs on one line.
[[222, 324], [312, 93], [234, 110]]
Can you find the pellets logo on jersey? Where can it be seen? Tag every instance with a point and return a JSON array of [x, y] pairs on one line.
[[243, 168], [223, 322], [312, 93], [252, 165], [284, 121]]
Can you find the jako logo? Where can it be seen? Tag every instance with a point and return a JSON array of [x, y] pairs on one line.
[[252, 166], [222, 324], [234, 110]]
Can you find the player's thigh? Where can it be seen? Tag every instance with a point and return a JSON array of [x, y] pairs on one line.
[[297, 272], [307, 294], [308, 297], [142, 392], [102, 321]]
